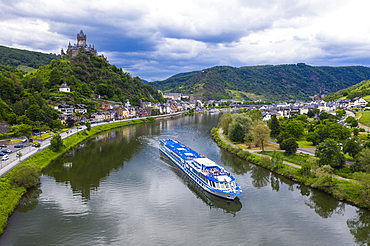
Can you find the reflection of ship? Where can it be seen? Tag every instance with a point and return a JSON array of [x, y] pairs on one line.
[[206, 173], [228, 206]]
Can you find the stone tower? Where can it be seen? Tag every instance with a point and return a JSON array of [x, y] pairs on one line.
[[191, 95], [81, 38]]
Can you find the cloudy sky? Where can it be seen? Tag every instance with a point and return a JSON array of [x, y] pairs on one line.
[[155, 39]]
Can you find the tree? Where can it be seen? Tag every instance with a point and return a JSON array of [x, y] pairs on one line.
[[295, 128], [260, 132], [350, 120], [255, 114], [88, 126], [282, 136], [224, 123], [243, 121], [56, 143], [276, 159], [25, 175], [313, 137], [329, 154], [274, 126], [363, 160], [352, 147], [289, 145], [236, 134]]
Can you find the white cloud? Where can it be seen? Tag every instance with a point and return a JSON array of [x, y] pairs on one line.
[[159, 38]]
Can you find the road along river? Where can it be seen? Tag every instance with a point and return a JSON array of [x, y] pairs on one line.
[[117, 189]]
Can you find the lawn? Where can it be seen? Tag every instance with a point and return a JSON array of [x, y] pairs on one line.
[[304, 144], [365, 118], [298, 159]]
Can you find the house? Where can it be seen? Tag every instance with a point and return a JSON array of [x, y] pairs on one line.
[[81, 108], [97, 117], [357, 102], [64, 87], [65, 109]]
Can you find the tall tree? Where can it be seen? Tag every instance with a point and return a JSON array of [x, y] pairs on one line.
[[260, 133], [274, 126], [243, 121], [330, 154], [224, 122], [352, 147]]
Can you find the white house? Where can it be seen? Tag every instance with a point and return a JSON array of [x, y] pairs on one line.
[[64, 87]]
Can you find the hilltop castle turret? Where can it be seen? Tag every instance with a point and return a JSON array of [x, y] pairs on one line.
[[81, 46]]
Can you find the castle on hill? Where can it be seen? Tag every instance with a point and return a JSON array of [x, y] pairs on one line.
[[81, 46]]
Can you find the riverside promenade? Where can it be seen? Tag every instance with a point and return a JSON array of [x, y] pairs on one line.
[[27, 152]]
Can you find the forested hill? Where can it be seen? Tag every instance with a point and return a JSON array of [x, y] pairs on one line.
[[361, 89], [25, 58], [281, 82], [26, 98]]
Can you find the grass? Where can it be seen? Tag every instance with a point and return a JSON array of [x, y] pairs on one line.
[[365, 118], [298, 159], [305, 144]]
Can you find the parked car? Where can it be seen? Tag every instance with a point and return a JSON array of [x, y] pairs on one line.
[[24, 140], [2, 153], [5, 157], [19, 145], [6, 151], [2, 145], [36, 145]]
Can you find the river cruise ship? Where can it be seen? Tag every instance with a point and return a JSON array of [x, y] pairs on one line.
[[203, 171]]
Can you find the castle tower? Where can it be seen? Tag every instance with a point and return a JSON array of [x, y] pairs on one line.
[[191, 95], [81, 38]]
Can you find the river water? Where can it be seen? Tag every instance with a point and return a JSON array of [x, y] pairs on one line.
[[117, 189]]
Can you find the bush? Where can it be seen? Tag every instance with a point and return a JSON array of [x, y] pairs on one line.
[[289, 145], [25, 175], [56, 143]]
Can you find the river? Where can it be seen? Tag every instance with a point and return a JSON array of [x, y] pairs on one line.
[[117, 189]]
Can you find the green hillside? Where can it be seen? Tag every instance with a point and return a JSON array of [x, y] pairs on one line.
[[269, 82], [361, 89], [25, 59], [27, 98]]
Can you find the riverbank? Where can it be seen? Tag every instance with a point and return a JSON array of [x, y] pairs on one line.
[[10, 196], [342, 189]]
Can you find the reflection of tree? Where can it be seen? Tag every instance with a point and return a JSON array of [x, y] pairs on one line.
[[360, 227], [305, 191], [29, 200], [275, 183], [325, 205], [238, 165], [94, 162], [260, 176]]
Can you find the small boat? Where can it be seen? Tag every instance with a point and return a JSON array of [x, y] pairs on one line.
[[203, 171]]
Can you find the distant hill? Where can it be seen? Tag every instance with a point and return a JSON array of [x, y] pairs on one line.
[[281, 82], [25, 58]]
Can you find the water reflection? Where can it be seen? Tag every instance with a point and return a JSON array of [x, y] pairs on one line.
[[212, 201], [95, 160], [29, 200], [359, 227]]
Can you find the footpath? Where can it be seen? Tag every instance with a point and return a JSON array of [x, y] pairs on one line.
[[27, 152]]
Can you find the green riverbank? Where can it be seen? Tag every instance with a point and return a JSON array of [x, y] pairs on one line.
[[354, 193], [10, 196]]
